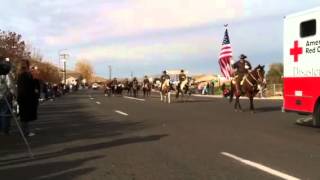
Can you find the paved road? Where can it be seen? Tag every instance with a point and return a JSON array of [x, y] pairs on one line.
[[86, 135]]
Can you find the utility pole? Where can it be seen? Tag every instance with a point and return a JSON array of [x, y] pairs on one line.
[[131, 74], [110, 72]]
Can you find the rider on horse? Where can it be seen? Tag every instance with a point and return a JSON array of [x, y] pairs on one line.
[[183, 80], [146, 81], [165, 79], [242, 68], [135, 80], [126, 81], [114, 82]]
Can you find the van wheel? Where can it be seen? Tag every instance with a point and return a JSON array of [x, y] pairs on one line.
[[316, 116]]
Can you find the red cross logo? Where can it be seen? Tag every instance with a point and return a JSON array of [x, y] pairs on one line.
[[296, 51]]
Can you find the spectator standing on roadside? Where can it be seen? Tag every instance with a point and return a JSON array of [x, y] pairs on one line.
[[212, 86], [27, 97], [7, 94], [37, 86]]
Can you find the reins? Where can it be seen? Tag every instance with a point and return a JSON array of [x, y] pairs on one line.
[[254, 78]]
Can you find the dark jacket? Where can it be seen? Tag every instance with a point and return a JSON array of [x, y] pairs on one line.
[[146, 81], [182, 77], [27, 97], [164, 77], [240, 66]]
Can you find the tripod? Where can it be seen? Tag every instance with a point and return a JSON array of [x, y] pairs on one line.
[[14, 117]]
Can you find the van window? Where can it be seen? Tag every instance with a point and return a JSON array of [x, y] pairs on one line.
[[308, 28]]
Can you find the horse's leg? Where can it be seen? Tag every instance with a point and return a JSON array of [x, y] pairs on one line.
[[236, 104], [182, 96], [231, 93], [239, 105], [251, 104], [169, 97], [161, 97]]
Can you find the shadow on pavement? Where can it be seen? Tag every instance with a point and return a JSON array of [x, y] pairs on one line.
[[68, 119], [59, 170], [193, 100], [84, 148], [268, 109]]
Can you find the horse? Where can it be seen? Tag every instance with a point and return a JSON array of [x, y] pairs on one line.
[[119, 89], [187, 89], [146, 89], [165, 92], [135, 88], [108, 88], [248, 88]]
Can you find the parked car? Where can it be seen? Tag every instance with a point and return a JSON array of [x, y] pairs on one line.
[[95, 86]]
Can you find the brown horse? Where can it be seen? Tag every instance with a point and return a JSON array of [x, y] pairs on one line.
[[146, 88], [249, 87]]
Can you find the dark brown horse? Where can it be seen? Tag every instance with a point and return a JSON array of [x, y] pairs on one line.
[[249, 87], [146, 89]]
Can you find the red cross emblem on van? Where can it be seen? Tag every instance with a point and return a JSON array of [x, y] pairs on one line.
[[296, 51]]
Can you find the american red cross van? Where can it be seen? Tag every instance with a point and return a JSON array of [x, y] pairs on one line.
[[301, 53]]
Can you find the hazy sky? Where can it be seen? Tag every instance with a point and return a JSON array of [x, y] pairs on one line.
[[148, 36]]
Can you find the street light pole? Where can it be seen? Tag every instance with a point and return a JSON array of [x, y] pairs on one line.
[[65, 70], [64, 57], [110, 72]]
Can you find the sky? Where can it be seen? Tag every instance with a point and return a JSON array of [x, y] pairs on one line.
[[149, 36]]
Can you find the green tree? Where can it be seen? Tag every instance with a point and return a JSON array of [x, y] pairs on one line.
[[275, 74]]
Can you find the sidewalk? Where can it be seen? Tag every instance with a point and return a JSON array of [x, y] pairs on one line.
[[220, 96], [256, 98]]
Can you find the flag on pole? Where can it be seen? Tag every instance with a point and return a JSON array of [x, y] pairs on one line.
[[226, 56]]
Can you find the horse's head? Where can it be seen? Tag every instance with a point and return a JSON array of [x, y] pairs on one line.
[[260, 73]]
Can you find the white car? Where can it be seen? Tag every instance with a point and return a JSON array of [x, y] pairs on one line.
[[95, 86]]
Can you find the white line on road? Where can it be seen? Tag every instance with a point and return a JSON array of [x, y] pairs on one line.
[[261, 167], [120, 112], [92, 98], [98, 102], [138, 99]]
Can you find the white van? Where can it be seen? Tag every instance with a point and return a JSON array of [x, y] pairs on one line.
[[301, 58]]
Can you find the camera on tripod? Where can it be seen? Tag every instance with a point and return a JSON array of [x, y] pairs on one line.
[[5, 66]]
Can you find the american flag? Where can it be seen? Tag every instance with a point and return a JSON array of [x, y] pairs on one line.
[[225, 56]]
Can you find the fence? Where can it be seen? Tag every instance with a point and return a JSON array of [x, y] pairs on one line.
[[274, 90]]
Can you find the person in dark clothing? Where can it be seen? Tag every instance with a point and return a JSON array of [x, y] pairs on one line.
[[183, 80], [146, 81], [165, 79], [27, 97], [242, 67], [212, 87], [37, 86]]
